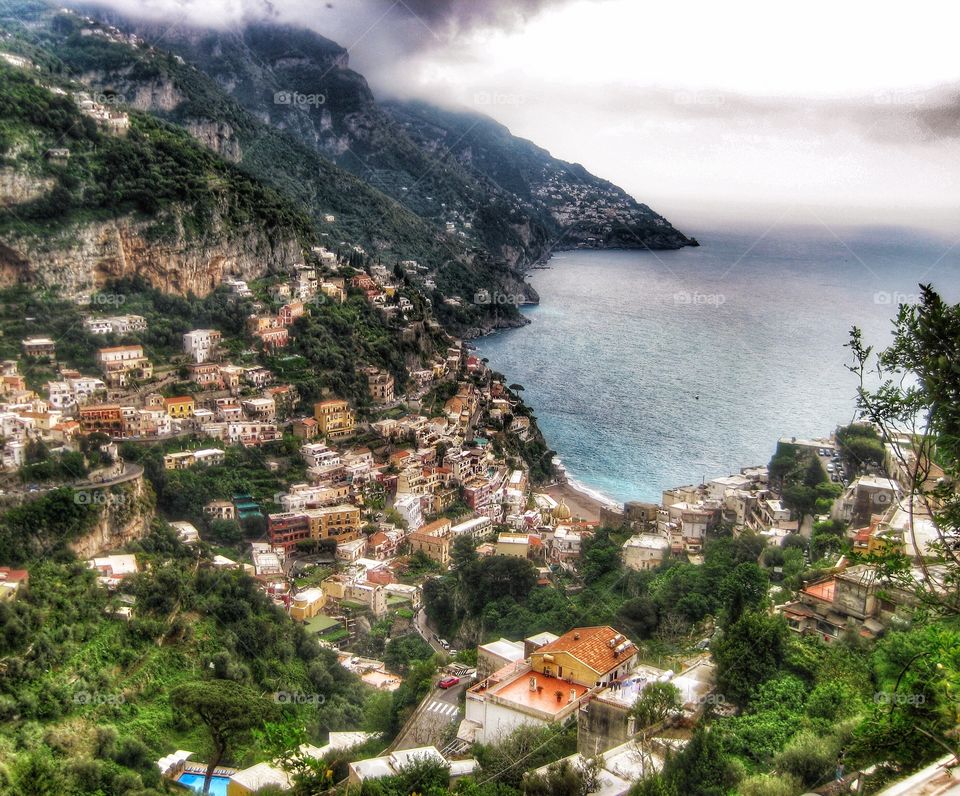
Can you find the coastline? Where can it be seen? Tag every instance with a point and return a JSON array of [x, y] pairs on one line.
[[582, 502]]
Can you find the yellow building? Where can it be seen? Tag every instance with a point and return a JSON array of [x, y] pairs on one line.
[[433, 541], [590, 656], [335, 417], [181, 406], [341, 522], [513, 544], [307, 604]]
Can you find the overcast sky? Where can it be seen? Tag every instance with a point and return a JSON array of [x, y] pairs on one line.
[[747, 108]]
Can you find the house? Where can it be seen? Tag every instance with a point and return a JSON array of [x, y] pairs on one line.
[[645, 551], [39, 347], [179, 406], [393, 764], [384, 544], [350, 592], [11, 581], [495, 655], [206, 375], [200, 344], [381, 386], [264, 409], [340, 522], [408, 507], [476, 528], [185, 459], [121, 363], [513, 544], [105, 418], [306, 428], [290, 312], [591, 656], [186, 532], [307, 604], [854, 598], [220, 510], [335, 417], [113, 569], [433, 540]]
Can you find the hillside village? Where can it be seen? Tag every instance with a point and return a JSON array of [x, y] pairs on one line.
[[303, 492], [388, 501]]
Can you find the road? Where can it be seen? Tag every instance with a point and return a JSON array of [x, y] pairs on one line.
[[420, 622], [435, 720]]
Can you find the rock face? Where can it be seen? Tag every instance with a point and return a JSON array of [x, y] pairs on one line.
[[126, 516], [84, 258], [17, 188]]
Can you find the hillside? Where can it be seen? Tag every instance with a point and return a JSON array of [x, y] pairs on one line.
[[301, 82]]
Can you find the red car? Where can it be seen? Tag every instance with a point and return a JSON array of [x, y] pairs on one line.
[[448, 682]]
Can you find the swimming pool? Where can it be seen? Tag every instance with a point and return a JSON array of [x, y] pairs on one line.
[[218, 785]]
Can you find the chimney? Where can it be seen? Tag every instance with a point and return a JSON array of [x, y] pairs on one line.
[[573, 696], [533, 683], [576, 636]]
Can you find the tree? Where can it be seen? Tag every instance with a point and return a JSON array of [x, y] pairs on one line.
[[463, 553], [743, 589], [748, 653], [916, 406], [657, 702], [228, 710]]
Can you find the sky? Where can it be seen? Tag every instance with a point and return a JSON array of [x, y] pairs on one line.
[[775, 112]]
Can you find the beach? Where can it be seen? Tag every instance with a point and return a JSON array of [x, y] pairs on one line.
[[581, 503]]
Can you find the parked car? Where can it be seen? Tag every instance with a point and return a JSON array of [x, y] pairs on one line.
[[448, 682]]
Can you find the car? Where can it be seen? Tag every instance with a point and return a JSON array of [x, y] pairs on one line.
[[448, 682]]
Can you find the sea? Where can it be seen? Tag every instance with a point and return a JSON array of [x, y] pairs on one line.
[[648, 370]]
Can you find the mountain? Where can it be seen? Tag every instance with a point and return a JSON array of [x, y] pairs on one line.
[[456, 192], [499, 191]]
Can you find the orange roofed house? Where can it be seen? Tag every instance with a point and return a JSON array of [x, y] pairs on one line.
[[548, 687]]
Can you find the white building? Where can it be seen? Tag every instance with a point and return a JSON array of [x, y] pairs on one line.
[[645, 551], [407, 505], [200, 343]]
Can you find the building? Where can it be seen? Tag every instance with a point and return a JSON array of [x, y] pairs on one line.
[[307, 604], [476, 528], [433, 540], [513, 544], [408, 506], [220, 510], [394, 763], [104, 418], [186, 532], [495, 655], [381, 387], [350, 592], [340, 522], [180, 406], [122, 363], [185, 459], [206, 375], [335, 417], [200, 344], [645, 551], [592, 656], [39, 347], [853, 599]]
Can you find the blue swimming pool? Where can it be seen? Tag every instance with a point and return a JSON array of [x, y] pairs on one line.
[[218, 785]]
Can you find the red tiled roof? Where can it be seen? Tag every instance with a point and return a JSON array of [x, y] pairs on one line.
[[823, 590], [591, 646]]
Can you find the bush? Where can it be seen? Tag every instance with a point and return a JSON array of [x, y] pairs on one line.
[[809, 757], [770, 785]]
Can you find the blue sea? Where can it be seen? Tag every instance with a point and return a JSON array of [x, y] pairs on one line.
[[648, 370]]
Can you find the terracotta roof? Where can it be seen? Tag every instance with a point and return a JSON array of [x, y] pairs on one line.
[[591, 646], [823, 590]]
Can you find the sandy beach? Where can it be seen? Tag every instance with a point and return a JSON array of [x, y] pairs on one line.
[[581, 504]]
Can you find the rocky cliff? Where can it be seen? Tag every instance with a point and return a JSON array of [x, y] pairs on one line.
[[126, 513], [82, 258]]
